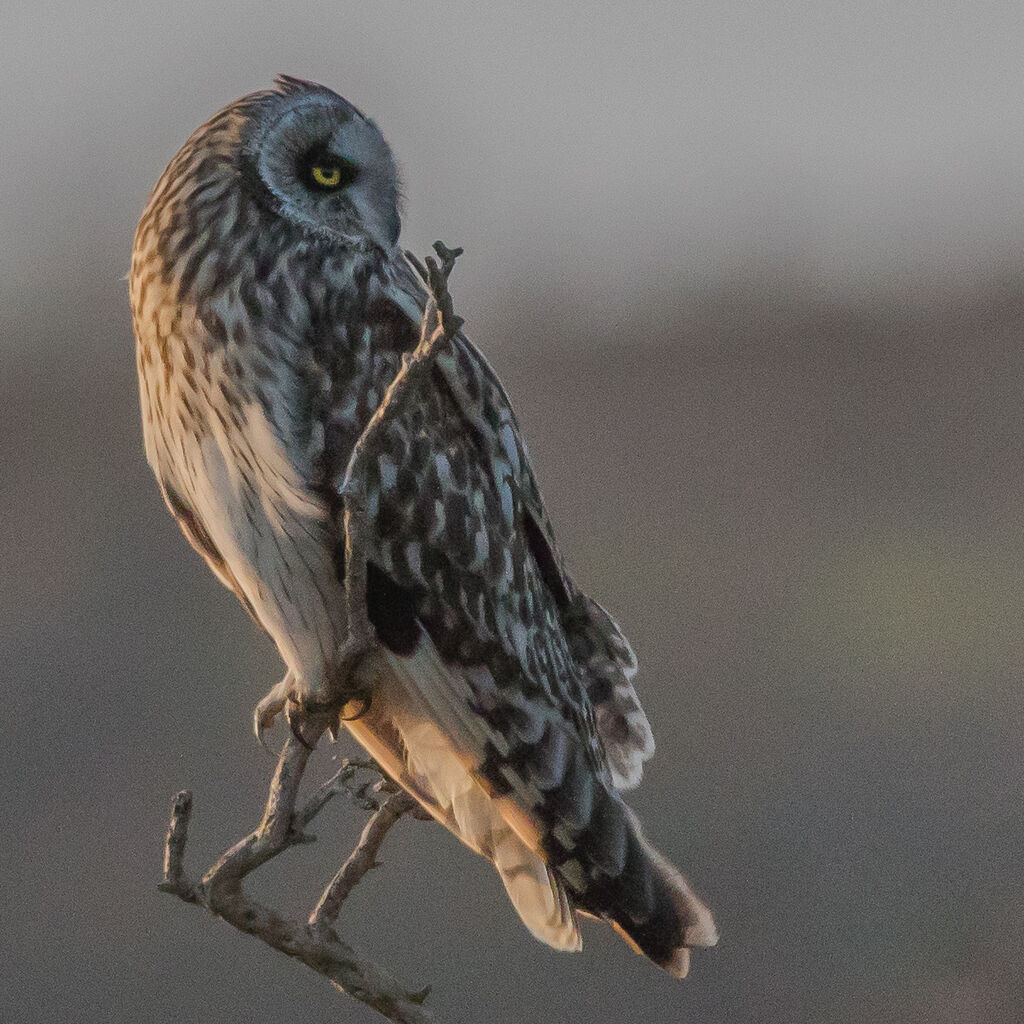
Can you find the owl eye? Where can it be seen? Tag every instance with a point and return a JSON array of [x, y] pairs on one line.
[[328, 173], [329, 177]]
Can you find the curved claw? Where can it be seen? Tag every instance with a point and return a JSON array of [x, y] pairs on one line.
[[270, 706], [295, 728], [318, 714], [259, 729]]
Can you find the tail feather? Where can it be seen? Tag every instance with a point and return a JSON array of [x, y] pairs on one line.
[[648, 901], [538, 896], [612, 872]]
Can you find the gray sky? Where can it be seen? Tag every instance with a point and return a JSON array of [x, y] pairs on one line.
[[567, 146]]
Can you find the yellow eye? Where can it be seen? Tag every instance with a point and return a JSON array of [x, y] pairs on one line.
[[329, 177]]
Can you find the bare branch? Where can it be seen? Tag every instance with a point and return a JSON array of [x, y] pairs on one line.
[[275, 832], [319, 947], [174, 847], [362, 858], [341, 782]]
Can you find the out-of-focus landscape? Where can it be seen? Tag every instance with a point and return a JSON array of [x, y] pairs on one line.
[[752, 276]]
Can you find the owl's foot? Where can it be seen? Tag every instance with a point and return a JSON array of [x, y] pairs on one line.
[[350, 686], [345, 696], [306, 716]]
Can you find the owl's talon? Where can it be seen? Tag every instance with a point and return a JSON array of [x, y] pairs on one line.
[[267, 710], [293, 724], [261, 739]]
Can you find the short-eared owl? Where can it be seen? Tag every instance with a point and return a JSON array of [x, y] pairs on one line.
[[272, 307]]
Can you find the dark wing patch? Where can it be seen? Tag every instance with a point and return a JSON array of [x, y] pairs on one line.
[[546, 562], [392, 610]]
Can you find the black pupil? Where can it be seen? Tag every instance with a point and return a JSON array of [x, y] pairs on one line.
[[327, 165]]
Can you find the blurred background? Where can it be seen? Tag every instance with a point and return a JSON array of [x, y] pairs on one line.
[[752, 275]]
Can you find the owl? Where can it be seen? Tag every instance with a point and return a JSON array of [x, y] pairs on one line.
[[272, 308]]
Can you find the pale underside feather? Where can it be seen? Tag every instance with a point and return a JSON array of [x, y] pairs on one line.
[[422, 731]]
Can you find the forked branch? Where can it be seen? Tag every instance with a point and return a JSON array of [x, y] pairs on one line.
[[314, 942]]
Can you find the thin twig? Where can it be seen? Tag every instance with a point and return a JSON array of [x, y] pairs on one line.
[[341, 783], [174, 848], [361, 860], [275, 832]]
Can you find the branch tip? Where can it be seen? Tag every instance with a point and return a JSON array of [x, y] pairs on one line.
[[420, 997], [174, 879]]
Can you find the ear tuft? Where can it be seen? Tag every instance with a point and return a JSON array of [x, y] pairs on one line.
[[287, 85]]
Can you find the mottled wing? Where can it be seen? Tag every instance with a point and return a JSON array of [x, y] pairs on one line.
[[610, 664], [486, 436], [455, 551], [493, 655]]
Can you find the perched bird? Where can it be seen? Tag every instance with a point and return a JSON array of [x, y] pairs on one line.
[[272, 307]]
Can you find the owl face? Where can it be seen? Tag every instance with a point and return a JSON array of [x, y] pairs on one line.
[[320, 164]]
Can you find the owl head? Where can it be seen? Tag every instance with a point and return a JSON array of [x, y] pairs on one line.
[[319, 163]]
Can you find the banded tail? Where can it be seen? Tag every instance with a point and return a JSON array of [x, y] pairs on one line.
[[595, 846]]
